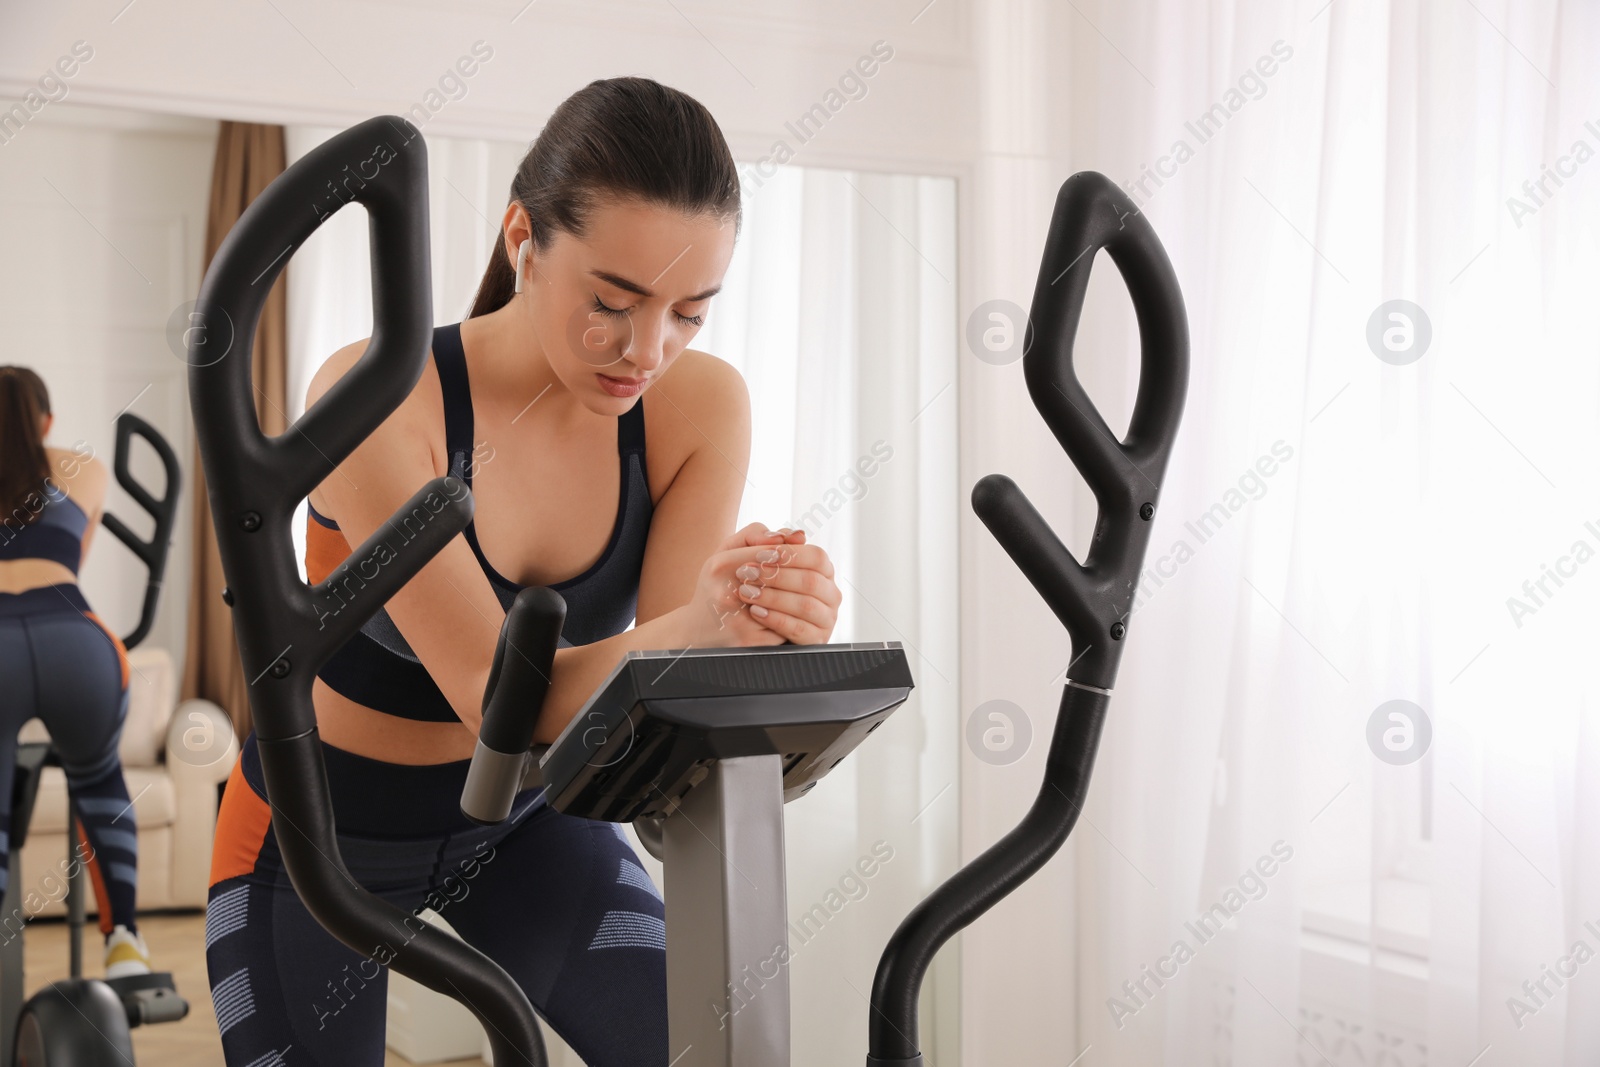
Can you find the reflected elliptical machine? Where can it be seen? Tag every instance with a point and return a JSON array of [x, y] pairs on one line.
[[699, 748], [85, 1022]]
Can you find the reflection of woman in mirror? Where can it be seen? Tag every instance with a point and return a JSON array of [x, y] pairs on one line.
[[607, 461], [58, 662]]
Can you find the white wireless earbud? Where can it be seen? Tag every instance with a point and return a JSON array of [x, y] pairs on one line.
[[522, 261]]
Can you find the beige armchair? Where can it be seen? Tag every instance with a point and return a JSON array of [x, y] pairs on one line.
[[173, 760]]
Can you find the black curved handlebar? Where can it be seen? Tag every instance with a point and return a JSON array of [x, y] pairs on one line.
[[163, 509], [1093, 599], [286, 629], [519, 680], [520, 677]]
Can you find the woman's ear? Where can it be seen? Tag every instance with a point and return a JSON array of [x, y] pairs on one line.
[[515, 230], [45, 422]]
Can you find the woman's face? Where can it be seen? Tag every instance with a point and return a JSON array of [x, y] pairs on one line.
[[614, 308]]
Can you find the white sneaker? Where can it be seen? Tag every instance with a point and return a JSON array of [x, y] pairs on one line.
[[126, 953]]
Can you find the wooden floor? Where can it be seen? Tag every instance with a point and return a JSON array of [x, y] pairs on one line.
[[177, 944]]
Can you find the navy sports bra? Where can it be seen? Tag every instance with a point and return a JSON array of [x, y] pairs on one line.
[[56, 535], [377, 668]]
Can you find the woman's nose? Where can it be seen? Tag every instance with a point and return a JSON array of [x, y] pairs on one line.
[[647, 347]]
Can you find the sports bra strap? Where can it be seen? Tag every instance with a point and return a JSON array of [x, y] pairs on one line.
[[451, 360], [630, 430]]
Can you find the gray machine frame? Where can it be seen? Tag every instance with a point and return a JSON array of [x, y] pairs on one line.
[[700, 749]]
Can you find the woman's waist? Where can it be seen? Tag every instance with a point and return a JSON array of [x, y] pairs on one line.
[[378, 799], [387, 737], [43, 594]]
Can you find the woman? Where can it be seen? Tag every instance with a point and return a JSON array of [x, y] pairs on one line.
[[607, 461], [58, 662]]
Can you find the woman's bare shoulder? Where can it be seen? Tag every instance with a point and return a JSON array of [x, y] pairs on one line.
[[422, 399], [707, 404], [701, 382], [83, 475], [416, 424]]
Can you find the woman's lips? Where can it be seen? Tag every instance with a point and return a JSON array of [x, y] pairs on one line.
[[621, 386]]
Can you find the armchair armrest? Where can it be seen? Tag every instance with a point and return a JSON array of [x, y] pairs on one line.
[[201, 751], [201, 745]]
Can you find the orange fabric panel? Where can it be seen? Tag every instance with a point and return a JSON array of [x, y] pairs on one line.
[[97, 877], [116, 642], [325, 550], [241, 828]]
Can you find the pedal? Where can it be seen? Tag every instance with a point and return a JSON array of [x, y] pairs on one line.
[[149, 998]]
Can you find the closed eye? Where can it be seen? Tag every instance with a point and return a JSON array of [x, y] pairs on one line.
[[602, 308]]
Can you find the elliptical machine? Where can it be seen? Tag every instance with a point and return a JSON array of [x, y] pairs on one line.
[[85, 1022], [700, 748]]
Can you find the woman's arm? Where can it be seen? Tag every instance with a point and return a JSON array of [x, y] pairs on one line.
[[797, 600], [448, 612], [703, 400]]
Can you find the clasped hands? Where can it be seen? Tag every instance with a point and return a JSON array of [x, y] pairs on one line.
[[764, 587]]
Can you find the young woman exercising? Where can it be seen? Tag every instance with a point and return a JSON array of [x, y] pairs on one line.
[[607, 461], [58, 662]]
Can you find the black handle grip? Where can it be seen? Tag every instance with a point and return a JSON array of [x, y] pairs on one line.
[[256, 482], [1093, 600], [385, 562], [1091, 213], [520, 677], [518, 682], [163, 509], [286, 629]]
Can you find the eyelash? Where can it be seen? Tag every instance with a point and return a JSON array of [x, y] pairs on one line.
[[618, 313]]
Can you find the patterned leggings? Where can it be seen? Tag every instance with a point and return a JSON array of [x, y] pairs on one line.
[[59, 663], [560, 902]]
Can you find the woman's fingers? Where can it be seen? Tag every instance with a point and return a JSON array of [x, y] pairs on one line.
[[771, 557], [757, 534], [794, 630], [788, 589], [801, 601], [800, 606], [791, 582], [791, 556], [750, 536]]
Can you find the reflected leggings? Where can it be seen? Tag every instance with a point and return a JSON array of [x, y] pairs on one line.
[[561, 903], [60, 664]]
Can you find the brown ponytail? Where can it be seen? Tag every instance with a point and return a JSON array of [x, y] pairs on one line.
[[626, 137], [24, 466]]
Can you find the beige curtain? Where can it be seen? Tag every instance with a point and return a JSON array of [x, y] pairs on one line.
[[249, 157]]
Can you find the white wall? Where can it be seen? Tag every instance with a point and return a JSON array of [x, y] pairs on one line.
[[104, 215], [757, 64]]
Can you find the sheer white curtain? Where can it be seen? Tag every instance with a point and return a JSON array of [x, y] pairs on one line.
[[839, 310], [1372, 515]]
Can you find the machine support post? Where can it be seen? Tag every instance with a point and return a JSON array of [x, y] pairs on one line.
[[727, 918], [75, 906], [11, 992]]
